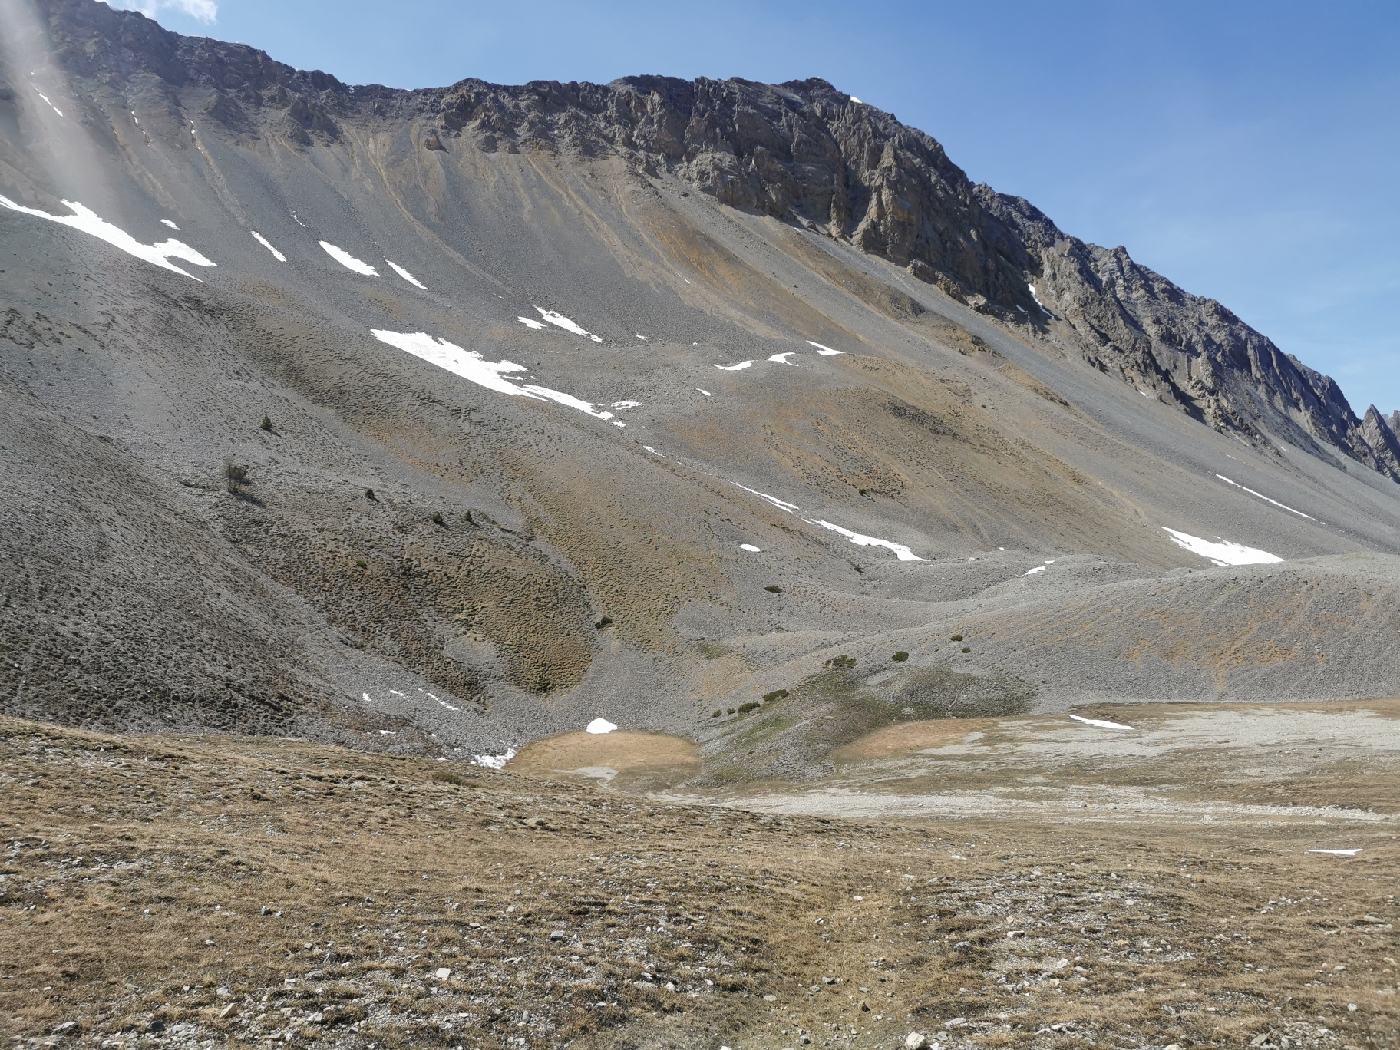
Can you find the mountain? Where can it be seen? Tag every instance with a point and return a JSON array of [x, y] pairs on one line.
[[441, 420]]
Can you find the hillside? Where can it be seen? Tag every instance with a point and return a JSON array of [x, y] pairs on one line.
[[440, 421]]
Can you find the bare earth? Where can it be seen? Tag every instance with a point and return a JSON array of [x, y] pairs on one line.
[[188, 891]]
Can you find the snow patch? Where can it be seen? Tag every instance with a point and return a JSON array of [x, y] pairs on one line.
[[530, 322], [599, 726], [1035, 297], [825, 351], [48, 100], [1266, 499], [560, 321], [87, 221], [750, 548], [263, 241], [735, 368], [1099, 722], [791, 508], [641, 337], [1036, 571], [1336, 852], [405, 274], [568, 400], [471, 366], [347, 260], [167, 222], [625, 404], [901, 552], [494, 761], [705, 392], [1221, 551], [782, 359]]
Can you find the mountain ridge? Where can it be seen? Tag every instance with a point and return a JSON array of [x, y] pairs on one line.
[[800, 151]]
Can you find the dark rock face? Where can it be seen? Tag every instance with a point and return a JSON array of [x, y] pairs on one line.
[[801, 151], [1379, 436]]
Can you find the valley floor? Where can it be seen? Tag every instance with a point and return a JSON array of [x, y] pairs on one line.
[[207, 891]]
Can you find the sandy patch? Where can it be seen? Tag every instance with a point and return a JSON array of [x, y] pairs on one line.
[[622, 758]]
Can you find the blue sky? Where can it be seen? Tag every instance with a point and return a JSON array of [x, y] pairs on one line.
[[1248, 150]]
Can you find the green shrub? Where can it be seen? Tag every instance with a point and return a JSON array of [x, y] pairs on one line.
[[840, 661], [900, 657], [750, 706], [369, 495], [775, 695], [266, 423], [966, 649], [438, 519], [956, 638], [773, 588]]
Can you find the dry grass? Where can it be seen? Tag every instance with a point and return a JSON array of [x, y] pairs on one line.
[[175, 891]]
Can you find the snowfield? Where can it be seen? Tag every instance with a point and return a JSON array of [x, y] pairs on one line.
[[1221, 551], [347, 260], [89, 222]]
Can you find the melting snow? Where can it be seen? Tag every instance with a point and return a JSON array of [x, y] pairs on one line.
[[472, 366], [750, 548], [1035, 297], [825, 351], [88, 222], [48, 100], [347, 260], [1260, 495], [599, 726], [901, 552], [735, 368], [641, 337], [625, 404], [405, 274], [1099, 722], [263, 241], [494, 761], [167, 222], [782, 358], [298, 221], [1221, 551], [791, 508], [1036, 571], [705, 392], [1336, 852], [560, 321], [569, 400], [530, 322]]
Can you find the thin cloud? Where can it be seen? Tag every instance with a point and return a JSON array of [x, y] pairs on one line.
[[202, 10]]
